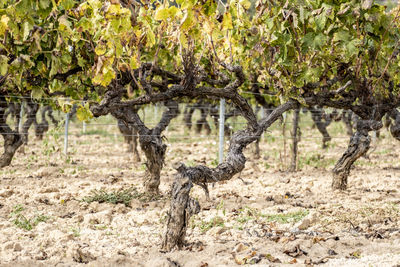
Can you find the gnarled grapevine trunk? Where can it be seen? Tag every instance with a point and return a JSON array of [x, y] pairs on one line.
[[187, 117], [202, 175], [12, 139], [202, 122], [182, 208], [295, 134], [358, 146], [347, 119], [150, 141], [395, 126], [131, 136], [31, 110], [51, 116], [43, 126], [316, 115]]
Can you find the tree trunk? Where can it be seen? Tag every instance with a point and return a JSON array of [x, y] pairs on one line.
[[43, 126], [31, 110], [182, 205], [294, 133], [154, 149], [395, 126], [150, 141], [202, 122], [127, 131], [187, 117], [182, 208], [346, 117], [51, 116], [12, 139], [358, 146], [316, 115]]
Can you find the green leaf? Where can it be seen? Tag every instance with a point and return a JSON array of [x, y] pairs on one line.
[[37, 92], [26, 30], [187, 21], [343, 36], [67, 4], [44, 4], [83, 113], [246, 4], [3, 65]]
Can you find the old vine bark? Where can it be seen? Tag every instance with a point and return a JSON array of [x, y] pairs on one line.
[[202, 175], [358, 146]]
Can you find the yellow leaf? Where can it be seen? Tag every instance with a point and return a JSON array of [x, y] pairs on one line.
[[227, 22], [187, 21], [246, 4], [133, 63], [162, 14], [151, 39], [183, 40], [4, 24], [100, 49]]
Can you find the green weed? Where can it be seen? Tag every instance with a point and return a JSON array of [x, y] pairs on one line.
[[26, 223], [116, 197]]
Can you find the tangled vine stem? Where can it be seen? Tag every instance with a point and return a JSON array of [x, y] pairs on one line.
[[181, 203], [14, 139], [358, 146]]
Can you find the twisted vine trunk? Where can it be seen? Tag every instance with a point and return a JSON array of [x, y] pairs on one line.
[[395, 126], [316, 115], [12, 139], [202, 122], [31, 110], [295, 134], [51, 116], [43, 126], [14, 109], [358, 146], [182, 208], [151, 141], [181, 203], [131, 138], [347, 119], [187, 117]]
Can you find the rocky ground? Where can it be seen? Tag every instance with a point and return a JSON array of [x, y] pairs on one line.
[[265, 216]]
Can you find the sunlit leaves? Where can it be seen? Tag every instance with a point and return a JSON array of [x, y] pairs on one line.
[[165, 13], [187, 21], [227, 22], [67, 4], [3, 65], [4, 24], [83, 112]]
